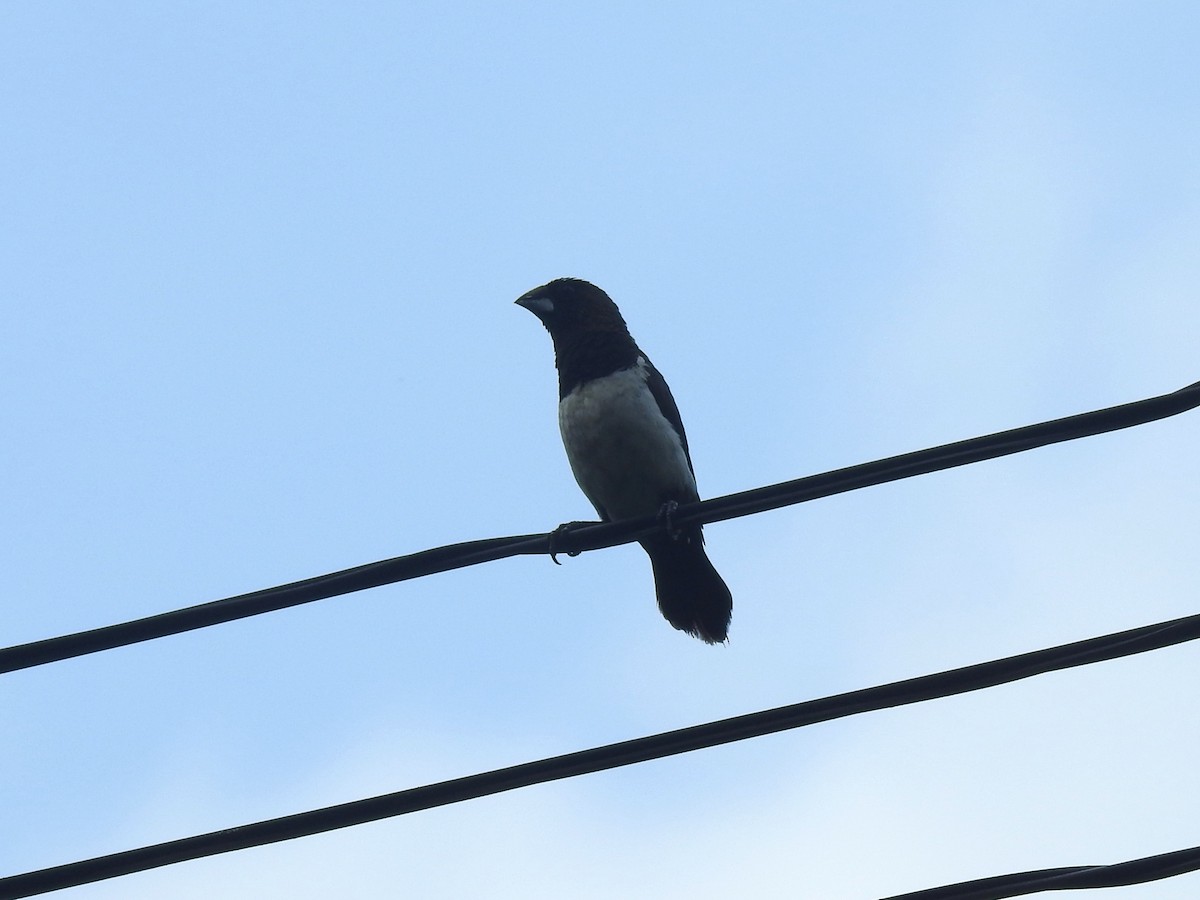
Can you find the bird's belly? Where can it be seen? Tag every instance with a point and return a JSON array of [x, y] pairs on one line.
[[625, 455]]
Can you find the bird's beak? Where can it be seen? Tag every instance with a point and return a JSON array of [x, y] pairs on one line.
[[539, 306]]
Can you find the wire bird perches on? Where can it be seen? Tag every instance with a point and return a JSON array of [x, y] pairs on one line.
[[644, 749], [594, 537]]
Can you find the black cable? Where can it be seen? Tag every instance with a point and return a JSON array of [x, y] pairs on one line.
[[1134, 871], [947, 456], [597, 759], [321, 587], [594, 537]]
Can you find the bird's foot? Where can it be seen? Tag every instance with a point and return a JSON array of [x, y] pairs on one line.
[[666, 518], [557, 534]]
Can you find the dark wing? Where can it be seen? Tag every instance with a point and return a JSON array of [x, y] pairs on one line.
[[666, 405]]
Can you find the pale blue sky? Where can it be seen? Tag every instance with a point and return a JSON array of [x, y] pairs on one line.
[[258, 268]]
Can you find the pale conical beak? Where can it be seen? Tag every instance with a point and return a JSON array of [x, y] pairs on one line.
[[539, 306]]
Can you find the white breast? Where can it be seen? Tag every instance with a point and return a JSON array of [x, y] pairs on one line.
[[626, 457]]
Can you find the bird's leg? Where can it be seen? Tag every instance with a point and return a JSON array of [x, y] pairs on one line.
[[556, 536], [666, 517]]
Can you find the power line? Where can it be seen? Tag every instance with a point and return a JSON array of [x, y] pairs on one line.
[[1134, 871], [594, 537], [611, 756]]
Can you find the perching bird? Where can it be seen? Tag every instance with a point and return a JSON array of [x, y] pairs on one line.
[[626, 445]]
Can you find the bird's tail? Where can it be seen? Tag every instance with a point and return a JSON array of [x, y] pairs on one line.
[[691, 595]]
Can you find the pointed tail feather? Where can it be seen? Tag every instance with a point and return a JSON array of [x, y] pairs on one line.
[[691, 595]]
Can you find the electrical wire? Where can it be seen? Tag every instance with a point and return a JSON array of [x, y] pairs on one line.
[[1071, 878], [697, 737], [596, 536]]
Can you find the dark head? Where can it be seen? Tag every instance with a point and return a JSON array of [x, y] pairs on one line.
[[590, 337], [570, 305]]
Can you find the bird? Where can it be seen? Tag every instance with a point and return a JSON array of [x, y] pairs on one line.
[[627, 448]]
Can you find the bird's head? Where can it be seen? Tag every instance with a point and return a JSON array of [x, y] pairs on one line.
[[571, 306]]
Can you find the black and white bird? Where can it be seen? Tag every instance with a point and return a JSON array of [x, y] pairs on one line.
[[626, 445]]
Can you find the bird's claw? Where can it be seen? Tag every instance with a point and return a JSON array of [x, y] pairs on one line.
[[666, 517], [555, 535]]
